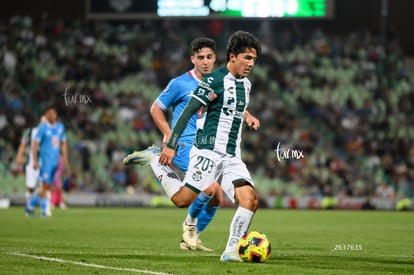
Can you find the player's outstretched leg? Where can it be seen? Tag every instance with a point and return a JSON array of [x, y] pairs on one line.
[[167, 177]]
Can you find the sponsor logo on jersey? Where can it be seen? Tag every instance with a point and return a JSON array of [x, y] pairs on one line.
[[172, 175], [211, 96]]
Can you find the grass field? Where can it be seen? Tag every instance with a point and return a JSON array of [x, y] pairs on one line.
[[145, 241]]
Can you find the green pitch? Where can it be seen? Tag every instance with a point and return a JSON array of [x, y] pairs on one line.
[[146, 241]]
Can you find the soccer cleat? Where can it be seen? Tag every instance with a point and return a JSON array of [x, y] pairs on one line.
[[143, 157], [190, 235], [230, 257], [63, 206], [29, 212], [184, 246], [200, 246], [45, 215]]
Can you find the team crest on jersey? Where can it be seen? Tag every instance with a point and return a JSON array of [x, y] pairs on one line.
[[197, 176], [211, 96]]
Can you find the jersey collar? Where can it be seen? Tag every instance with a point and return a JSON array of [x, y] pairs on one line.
[[192, 73]]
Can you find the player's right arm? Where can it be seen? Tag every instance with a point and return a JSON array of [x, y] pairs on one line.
[[35, 148], [164, 101], [160, 120]]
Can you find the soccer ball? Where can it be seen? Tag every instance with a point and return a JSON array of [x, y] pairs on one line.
[[254, 247]]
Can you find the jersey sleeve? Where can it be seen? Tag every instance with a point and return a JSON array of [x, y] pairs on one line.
[[40, 132], [63, 133], [206, 91], [190, 109], [166, 99]]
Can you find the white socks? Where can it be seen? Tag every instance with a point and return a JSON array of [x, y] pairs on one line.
[[239, 225], [28, 196], [169, 179]]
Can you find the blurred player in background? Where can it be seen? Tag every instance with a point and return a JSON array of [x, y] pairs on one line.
[[24, 154], [176, 96], [49, 143], [216, 154], [57, 186]]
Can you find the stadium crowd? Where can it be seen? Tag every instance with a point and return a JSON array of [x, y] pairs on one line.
[[336, 110]]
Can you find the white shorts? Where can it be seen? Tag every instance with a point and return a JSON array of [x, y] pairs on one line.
[[32, 176], [207, 167]]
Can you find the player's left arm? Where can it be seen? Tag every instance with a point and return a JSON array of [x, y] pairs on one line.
[[22, 147], [251, 121], [20, 153]]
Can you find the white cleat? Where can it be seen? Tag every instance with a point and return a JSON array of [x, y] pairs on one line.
[[230, 257], [143, 157], [200, 246], [190, 236]]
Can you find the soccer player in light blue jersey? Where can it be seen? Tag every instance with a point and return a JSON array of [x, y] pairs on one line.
[[175, 96], [49, 143], [25, 149]]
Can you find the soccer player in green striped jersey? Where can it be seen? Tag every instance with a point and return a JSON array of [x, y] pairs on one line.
[[223, 97]]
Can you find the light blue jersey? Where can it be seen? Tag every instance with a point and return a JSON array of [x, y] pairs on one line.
[[50, 138], [176, 96]]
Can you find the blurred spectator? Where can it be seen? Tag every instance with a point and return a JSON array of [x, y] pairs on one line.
[[345, 100]]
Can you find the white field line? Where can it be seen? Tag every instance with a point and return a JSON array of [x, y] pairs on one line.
[[86, 264]]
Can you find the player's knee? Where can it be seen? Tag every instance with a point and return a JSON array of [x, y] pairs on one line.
[[248, 199], [212, 189], [254, 203], [250, 202], [217, 199], [180, 201]]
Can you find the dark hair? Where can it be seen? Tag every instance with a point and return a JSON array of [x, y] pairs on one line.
[[202, 42], [240, 41], [49, 107]]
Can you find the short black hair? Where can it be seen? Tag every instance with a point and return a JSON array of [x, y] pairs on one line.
[[202, 42], [240, 41], [49, 107]]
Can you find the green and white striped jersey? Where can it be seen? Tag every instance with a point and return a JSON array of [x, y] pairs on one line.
[[225, 98]]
